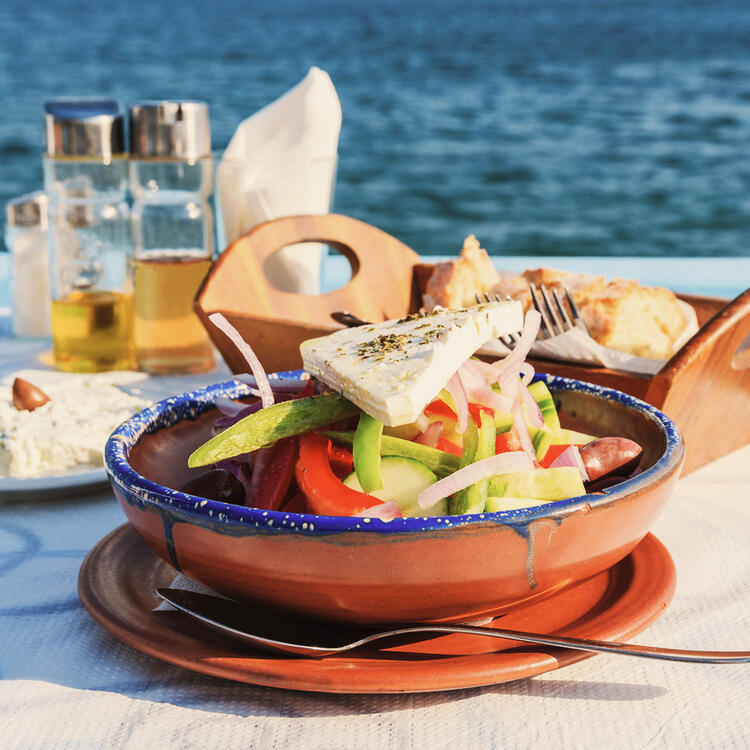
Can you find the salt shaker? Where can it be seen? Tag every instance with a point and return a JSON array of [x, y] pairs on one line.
[[171, 178], [85, 178], [26, 238]]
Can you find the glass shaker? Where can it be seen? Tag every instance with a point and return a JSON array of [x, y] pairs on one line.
[[26, 239], [171, 179], [85, 178]]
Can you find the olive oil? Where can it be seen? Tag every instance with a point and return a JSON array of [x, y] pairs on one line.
[[92, 331], [169, 337]]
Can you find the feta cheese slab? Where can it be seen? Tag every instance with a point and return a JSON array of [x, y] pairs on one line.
[[392, 370]]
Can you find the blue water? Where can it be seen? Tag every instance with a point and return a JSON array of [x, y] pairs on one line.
[[549, 126]]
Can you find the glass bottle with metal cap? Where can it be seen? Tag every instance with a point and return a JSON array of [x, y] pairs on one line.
[[85, 178], [26, 239], [171, 178]]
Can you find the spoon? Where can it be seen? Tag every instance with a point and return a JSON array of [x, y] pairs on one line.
[[275, 633]]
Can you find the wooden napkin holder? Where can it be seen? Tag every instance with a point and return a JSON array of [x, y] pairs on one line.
[[704, 387]]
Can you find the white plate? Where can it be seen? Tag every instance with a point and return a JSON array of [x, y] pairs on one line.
[[53, 487]]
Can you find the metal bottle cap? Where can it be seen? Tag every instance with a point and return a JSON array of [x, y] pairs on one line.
[[28, 210], [84, 127], [170, 130]]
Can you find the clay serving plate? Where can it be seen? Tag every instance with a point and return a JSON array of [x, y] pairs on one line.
[[407, 570]]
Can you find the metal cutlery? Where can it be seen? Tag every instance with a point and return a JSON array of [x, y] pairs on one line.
[[234, 619]]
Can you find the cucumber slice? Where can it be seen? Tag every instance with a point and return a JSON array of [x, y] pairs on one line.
[[366, 451], [503, 421], [495, 504], [271, 424], [440, 462], [541, 439], [570, 437], [403, 480], [472, 499], [546, 485], [546, 403]]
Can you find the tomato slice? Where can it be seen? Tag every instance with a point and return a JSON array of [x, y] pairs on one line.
[[507, 441], [326, 494], [438, 408], [448, 446]]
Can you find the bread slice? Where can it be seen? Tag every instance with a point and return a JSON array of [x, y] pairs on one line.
[[641, 320], [620, 314], [455, 283]]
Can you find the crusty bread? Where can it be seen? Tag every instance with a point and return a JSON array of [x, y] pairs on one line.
[[641, 320], [620, 314], [454, 283]]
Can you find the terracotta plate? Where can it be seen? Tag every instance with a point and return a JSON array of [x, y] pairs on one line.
[[118, 578]]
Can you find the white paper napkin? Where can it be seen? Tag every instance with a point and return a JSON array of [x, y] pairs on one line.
[[281, 161]]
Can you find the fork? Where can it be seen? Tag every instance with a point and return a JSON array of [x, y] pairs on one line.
[[556, 318]]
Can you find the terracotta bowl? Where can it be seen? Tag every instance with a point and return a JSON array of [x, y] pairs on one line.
[[406, 570]]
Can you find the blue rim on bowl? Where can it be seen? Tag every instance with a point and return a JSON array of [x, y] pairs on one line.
[[192, 404]]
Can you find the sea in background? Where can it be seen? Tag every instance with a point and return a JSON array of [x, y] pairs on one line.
[[602, 127]]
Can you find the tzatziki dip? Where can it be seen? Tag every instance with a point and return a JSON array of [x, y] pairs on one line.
[[68, 433]]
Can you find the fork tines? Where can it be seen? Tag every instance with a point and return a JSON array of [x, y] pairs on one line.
[[556, 316]]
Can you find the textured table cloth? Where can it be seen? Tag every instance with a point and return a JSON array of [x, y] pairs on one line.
[[65, 683]]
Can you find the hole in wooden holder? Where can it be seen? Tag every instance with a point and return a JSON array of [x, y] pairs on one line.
[[741, 358], [311, 267]]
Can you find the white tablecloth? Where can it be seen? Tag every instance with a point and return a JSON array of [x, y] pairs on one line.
[[64, 683], [67, 684]]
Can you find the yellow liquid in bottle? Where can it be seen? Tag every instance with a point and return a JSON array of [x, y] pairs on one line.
[[169, 337], [92, 331]]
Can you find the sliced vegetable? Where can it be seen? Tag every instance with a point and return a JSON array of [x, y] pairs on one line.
[[441, 462], [403, 480], [546, 403], [570, 437], [273, 423], [366, 449], [448, 446], [261, 379], [502, 463], [326, 494], [472, 499], [571, 457], [541, 484], [541, 439], [495, 504], [277, 473], [507, 441], [468, 456]]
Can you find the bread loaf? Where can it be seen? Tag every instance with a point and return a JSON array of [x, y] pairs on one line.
[[620, 314]]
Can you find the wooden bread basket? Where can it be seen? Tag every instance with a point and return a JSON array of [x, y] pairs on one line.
[[704, 387]]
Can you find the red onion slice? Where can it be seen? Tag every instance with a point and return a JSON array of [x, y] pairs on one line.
[[385, 511], [456, 388], [266, 394], [571, 456], [527, 373], [285, 385], [513, 361], [519, 422], [503, 463], [431, 435], [478, 388], [228, 407], [531, 407], [421, 422]]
